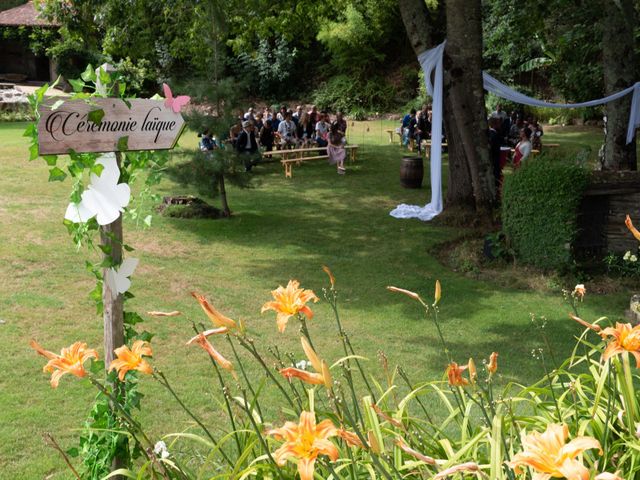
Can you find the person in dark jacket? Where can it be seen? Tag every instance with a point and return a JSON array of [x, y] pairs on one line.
[[247, 146]]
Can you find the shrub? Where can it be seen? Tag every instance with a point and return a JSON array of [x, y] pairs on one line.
[[539, 206], [17, 114], [343, 93]]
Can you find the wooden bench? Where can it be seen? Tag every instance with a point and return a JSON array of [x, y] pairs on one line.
[[427, 147], [297, 156], [390, 132]]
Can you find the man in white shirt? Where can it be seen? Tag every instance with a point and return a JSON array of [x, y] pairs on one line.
[[287, 131], [322, 130]]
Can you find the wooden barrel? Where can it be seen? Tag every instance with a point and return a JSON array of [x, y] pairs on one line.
[[411, 172]]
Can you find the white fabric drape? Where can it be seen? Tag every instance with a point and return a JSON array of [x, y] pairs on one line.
[[501, 90], [430, 61]]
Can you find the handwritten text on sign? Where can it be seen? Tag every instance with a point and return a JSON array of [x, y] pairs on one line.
[[148, 125]]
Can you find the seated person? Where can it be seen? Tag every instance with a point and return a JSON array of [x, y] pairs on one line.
[[335, 148], [247, 146], [207, 143], [322, 130], [287, 131], [267, 136], [536, 136]]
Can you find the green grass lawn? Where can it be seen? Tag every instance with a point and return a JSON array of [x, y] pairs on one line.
[[281, 229]]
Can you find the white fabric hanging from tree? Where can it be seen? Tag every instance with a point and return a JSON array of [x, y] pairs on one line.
[[431, 61]]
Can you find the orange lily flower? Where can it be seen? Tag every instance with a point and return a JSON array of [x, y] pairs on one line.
[[218, 319], [631, 228], [414, 453], [408, 293], [202, 342], [473, 372], [625, 339], [289, 302], [608, 476], [438, 293], [305, 442], [71, 360], [332, 279], [549, 455], [595, 328], [322, 374], [132, 359], [579, 291], [454, 374], [493, 363], [349, 437]]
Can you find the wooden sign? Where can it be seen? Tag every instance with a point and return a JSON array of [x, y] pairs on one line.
[[107, 125]]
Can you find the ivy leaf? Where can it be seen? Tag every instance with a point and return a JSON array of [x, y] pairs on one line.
[[122, 87], [33, 151], [128, 248], [56, 175], [123, 144], [40, 92], [89, 75], [106, 249], [97, 169], [147, 220], [96, 116], [50, 159], [132, 318], [31, 131], [145, 336], [77, 85]]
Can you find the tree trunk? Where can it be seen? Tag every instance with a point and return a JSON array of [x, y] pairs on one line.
[[463, 62], [619, 62], [423, 35], [226, 211]]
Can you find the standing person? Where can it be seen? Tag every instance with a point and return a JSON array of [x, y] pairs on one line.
[[207, 143], [413, 126], [287, 131], [235, 130], [523, 148], [297, 114], [250, 115], [313, 115], [266, 136], [258, 123], [335, 149], [322, 130], [247, 146], [423, 130], [536, 136], [340, 123]]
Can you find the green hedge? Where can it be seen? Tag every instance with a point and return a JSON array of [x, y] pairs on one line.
[[539, 210]]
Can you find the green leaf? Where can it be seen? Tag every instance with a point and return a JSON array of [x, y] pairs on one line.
[[77, 85], [97, 367], [106, 249], [132, 318], [89, 74], [97, 169], [147, 220], [31, 131], [145, 336], [96, 116], [50, 159], [128, 248], [56, 175], [33, 151], [40, 92], [123, 144], [73, 452]]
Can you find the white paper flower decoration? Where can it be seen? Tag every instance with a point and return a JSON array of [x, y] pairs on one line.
[[118, 278], [105, 198]]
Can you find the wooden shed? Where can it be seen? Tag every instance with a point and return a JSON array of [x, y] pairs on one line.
[[17, 62], [607, 200]]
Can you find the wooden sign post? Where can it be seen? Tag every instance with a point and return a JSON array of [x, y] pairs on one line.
[[108, 125]]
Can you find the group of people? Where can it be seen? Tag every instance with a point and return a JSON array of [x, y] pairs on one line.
[[416, 126], [285, 129]]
